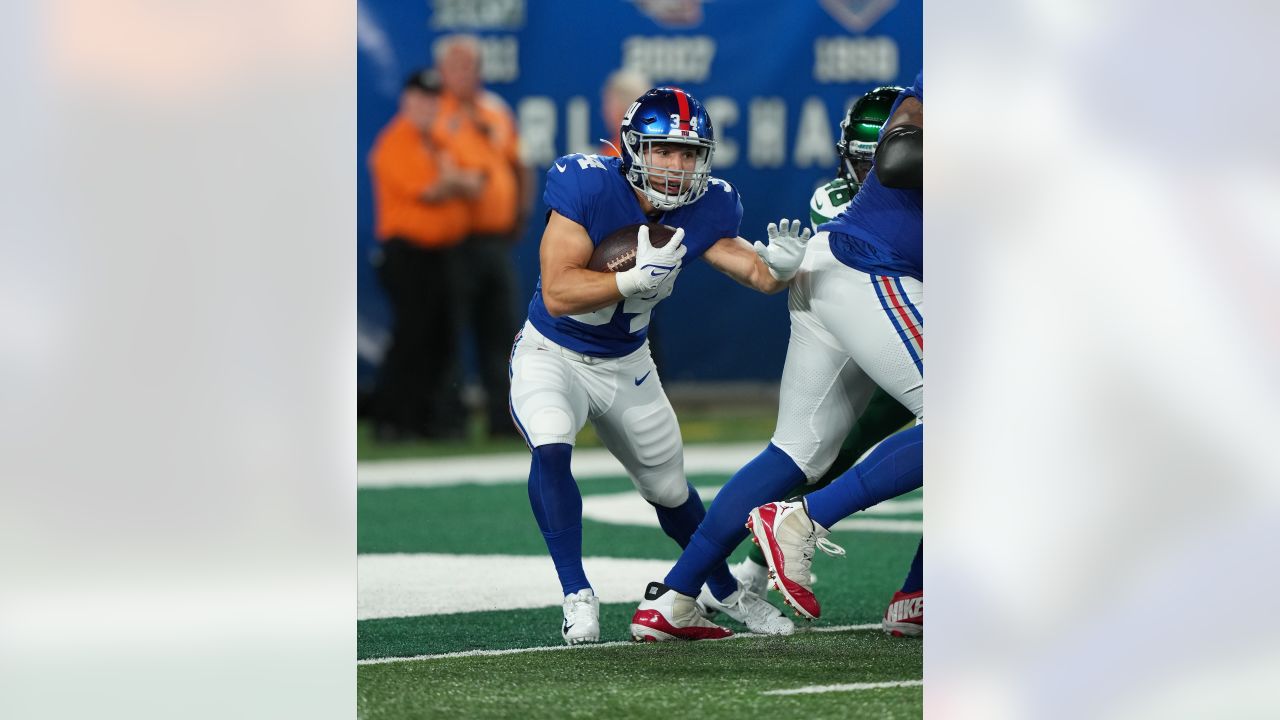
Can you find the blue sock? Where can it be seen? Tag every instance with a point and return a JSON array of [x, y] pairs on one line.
[[915, 576], [893, 467], [768, 477], [680, 523], [557, 505]]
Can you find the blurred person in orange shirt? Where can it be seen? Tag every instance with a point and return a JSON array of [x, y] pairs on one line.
[[620, 90], [480, 130], [421, 190]]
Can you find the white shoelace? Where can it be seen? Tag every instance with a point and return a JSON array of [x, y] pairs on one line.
[[829, 547]]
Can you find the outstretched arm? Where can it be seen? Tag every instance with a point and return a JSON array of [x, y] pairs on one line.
[[736, 258], [767, 268]]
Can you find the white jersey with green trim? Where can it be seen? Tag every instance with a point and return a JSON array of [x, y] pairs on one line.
[[830, 200]]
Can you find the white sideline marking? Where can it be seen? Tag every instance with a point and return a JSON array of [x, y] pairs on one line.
[[628, 508], [412, 584], [553, 648], [844, 628], [865, 524], [514, 467], [848, 687]]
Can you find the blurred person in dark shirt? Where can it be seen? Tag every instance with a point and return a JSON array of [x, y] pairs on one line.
[[479, 128]]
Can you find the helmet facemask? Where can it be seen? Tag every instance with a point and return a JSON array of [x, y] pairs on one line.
[[668, 188], [856, 158], [860, 132]]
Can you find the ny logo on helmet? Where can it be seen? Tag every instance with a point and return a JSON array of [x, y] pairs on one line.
[[626, 119]]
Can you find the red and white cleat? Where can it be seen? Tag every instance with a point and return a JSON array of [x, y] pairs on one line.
[[665, 614], [905, 615], [788, 536]]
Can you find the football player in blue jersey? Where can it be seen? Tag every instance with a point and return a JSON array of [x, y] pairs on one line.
[[583, 355], [857, 321], [883, 415]]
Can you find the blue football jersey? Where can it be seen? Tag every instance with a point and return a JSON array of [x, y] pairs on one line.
[[591, 191], [882, 230]]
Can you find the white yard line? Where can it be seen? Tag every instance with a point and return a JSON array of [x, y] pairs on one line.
[[845, 628], [514, 467], [628, 508], [413, 584], [847, 687], [554, 648]]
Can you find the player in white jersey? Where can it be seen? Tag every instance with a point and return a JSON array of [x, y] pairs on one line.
[[583, 354]]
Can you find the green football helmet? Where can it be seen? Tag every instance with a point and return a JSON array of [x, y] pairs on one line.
[[860, 131]]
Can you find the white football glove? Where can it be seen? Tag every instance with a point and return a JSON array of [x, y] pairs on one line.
[[653, 265], [785, 250]]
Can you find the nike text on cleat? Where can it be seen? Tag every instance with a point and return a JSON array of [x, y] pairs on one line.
[[788, 537], [581, 618], [749, 609], [905, 614], [665, 614]]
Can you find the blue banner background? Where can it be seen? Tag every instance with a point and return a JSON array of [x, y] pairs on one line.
[[814, 56]]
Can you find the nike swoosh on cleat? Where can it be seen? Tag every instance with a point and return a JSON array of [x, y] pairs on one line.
[[567, 627], [642, 378]]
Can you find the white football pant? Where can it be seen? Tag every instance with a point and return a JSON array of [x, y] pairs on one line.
[[555, 391], [850, 331]]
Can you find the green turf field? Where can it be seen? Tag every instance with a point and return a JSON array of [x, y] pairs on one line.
[[450, 567]]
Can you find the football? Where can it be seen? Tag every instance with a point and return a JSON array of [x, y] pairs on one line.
[[617, 253]]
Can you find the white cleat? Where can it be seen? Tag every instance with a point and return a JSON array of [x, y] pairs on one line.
[[581, 618], [665, 614], [752, 576], [788, 537], [749, 609]]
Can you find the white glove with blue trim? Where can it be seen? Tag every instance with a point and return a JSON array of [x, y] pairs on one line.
[[785, 250], [653, 265]]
